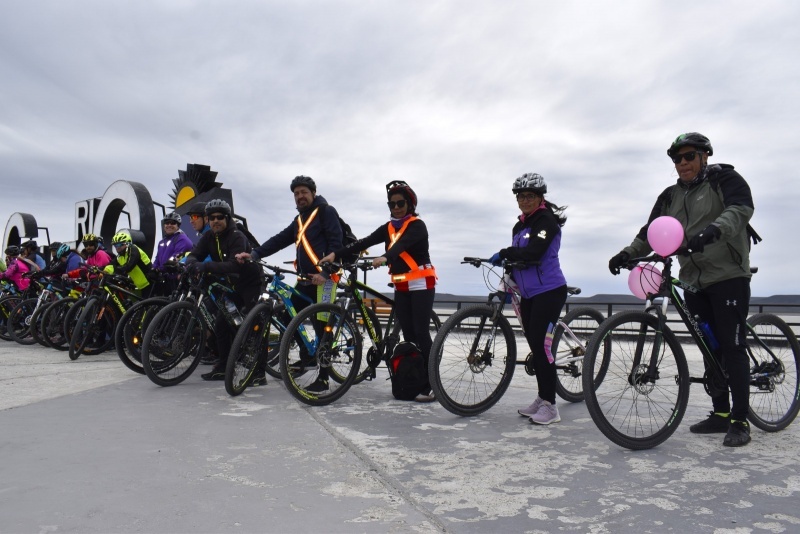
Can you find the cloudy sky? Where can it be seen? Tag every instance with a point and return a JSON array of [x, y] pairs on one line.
[[458, 98]]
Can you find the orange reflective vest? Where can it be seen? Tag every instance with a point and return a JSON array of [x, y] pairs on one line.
[[415, 272], [301, 239]]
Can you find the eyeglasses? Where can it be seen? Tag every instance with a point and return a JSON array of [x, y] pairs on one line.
[[195, 216], [688, 156], [90, 244], [398, 203], [170, 222], [522, 196], [216, 217]]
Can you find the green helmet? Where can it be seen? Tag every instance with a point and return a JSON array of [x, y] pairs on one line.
[[121, 237], [694, 139]]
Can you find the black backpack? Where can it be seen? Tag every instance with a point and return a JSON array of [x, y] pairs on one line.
[[407, 371], [348, 237]]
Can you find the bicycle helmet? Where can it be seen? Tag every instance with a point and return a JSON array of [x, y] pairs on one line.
[[399, 186], [90, 239], [306, 181], [530, 181], [121, 237], [29, 244], [694, 139], [12, 250], [54, 245], [172, 216], [218, 206], [198, 208], [62, 251]]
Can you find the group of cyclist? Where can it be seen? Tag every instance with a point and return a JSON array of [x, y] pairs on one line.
[[712, 202]]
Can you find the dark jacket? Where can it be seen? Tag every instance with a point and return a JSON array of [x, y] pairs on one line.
[[222, 249], [414, 241]]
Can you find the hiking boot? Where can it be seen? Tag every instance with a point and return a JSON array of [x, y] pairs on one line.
[[738, 434], [318, 386], [215, 374], [715, 424], [546, 414], [258, 381], [532, 409]]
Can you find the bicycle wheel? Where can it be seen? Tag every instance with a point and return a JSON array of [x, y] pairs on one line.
[[773, 384], [319, 344], [630, 408], [7, 305], [369, 345], [251, 344], [278, 322], [130, 331], [94, 330], [71, 319], [53, 323], [19, 322], [173, 344], [37, 323], [472, 360], [569, 347]]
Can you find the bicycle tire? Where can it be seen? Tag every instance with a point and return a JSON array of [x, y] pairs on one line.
[[582, 322], [20, 320], [71, 319], [130, 331], [173, 344], [369, 346], [340, 356], [7, 305], [632, 413], [53, 323], [774, 398], [278, 322], [94, 330], [250, 345], [463, 375], [37, 321]]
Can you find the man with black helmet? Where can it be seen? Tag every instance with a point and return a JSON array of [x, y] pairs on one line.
[[223, 242], [30, 251], [714, 205], [197, 217]]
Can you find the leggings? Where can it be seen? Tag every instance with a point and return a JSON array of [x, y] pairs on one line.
[[413, 311], [540, 315]]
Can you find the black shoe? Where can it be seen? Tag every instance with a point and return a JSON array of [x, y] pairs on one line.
[[209, 360], [258, 381], [299, 368], [214, 374], [715, 424], [738, 434], [318, 386]]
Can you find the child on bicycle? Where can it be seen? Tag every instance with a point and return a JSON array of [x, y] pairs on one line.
[[536, 237]]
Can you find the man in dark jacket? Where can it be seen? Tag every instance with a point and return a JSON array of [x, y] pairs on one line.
[[222, 243]]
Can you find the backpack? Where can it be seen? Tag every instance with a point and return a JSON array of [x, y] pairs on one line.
[[348, 238], [407, 371]]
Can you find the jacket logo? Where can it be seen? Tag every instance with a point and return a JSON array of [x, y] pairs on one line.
[[527, 236], [542, 234]]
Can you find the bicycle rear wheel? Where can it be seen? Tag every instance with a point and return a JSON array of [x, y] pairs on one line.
[[7, 305], [130, 331], [774, 390], [53, 323], [320, 354], [569, 348], [94, 329], [37, 323], [252, 344], [472, 360], [630, 408], [173, 344]]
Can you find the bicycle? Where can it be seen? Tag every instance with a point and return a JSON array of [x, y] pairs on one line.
[[24, 320], [260, 334], [475, 353], [640, 398]]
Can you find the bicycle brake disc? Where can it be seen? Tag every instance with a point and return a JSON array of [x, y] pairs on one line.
[[529, 365]]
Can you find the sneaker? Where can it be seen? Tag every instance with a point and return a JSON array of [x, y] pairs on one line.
[[258, 381], [214, 374], [546, 414], [716, 423], [300, 367], [318, 386], [430, 397], [738, 434], [209, 360], [532, 409]]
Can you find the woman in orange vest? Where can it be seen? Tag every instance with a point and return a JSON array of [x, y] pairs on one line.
[[407, 255]]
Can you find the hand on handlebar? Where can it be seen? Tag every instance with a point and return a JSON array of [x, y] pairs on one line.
[[616, 263], [496, 260]]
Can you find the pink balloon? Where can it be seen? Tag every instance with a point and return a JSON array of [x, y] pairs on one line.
[[643, 280], [665, 235]]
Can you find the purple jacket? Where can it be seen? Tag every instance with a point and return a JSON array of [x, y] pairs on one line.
[[171, 247]]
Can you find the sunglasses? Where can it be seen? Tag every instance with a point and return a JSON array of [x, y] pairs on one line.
[[171, 222], [195, 216], [398, 203], [216, 217], [522, 196], [120, 245], [689, 156]]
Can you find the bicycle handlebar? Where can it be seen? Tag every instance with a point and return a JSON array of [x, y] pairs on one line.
[[477, 262]]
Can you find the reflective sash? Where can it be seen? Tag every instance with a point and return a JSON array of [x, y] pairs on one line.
[[301, 239], [415, 272]]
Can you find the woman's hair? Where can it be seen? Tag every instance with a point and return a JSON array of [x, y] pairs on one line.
[[558, 211]]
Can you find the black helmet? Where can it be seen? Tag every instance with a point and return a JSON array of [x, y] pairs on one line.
[[172, 216], [304, 180], [399, 186], [12, 250], [218, 206], [697, 140], [530, 181], [29, 244], [198, 208], [54, 245]]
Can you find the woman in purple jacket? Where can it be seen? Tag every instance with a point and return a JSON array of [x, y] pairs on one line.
[[536, 237], [175, 243]]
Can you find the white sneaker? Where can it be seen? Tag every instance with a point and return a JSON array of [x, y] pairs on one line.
[[532, 409], [547, 413]]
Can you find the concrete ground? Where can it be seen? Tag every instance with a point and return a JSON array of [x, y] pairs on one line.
[[89, 446]]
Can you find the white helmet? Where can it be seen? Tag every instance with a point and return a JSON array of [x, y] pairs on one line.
[[530, 181]]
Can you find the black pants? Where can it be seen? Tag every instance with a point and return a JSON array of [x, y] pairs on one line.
[[539, 316], [724, 307], [245, 299], [412, 310]]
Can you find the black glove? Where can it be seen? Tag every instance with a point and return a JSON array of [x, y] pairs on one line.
[[705, 237], [617, 262], [196, 267]]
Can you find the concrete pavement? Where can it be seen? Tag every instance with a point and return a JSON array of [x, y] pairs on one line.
[[88, 446]]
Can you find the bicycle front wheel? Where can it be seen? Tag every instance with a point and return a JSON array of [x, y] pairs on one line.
[[774, 390], [173, 344], [570, 338], [320, 354], [472, 360], [7, 305], [53, 319], [634, 406], [129, 333], [94, 329], [19, 322], [251, 345]]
